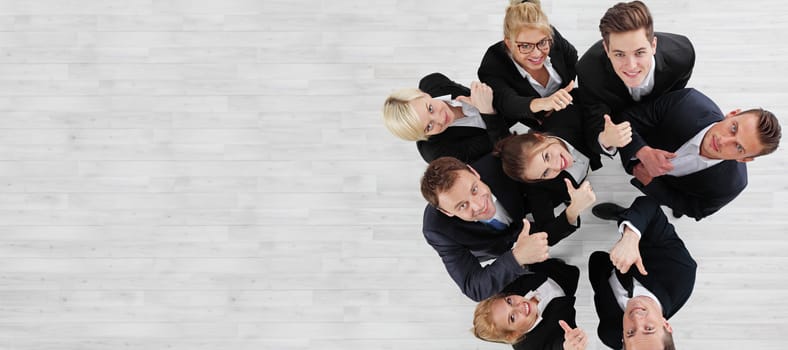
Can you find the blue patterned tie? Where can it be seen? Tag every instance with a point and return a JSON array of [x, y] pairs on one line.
[[496, 224]]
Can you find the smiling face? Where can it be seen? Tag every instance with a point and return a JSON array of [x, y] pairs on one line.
[[630, 53], [529, 39], [514, 314], [734, 138], [468, 198], [435, 115], [643, 324], [546, 161]]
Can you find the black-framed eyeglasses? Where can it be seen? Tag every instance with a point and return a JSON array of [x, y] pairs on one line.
[[526, 48]]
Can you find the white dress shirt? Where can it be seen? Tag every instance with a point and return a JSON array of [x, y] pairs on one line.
[[553, 83], [545, 293], [646, 86], [688, 159]]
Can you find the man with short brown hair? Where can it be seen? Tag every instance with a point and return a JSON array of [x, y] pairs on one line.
[[477, 213]]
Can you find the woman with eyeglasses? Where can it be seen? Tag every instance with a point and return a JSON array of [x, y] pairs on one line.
[[532, 70], [446, 119]]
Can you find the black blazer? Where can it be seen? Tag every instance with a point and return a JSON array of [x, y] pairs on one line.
[[548, 334], [543, 196], [667, 123], [513, 93], [602, 91], [671, 270], [462, 244], [466, 143]]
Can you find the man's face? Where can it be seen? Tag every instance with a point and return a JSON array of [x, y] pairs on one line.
[[643, 324], [630, 54], [468, 199], [734, 138]]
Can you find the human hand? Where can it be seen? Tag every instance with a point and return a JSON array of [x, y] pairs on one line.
[[581, 198], [641, 174], [574, 338], [481, 98], [615, 135], [555, 102], [626, 252], [656, 161], [530, 248]]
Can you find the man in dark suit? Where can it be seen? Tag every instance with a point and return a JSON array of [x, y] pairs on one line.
[[476, 213], [633, 303], [631, 63], [689, 156]]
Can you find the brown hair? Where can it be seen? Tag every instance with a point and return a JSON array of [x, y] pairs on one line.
[[625, 17], [516, 151], [667, 341], [522, 15], [439, 177], [769, 131], [483, 326]]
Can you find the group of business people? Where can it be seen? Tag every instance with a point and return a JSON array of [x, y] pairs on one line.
[[625, 96]]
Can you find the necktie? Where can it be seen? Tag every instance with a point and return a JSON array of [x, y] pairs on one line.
[[496, 224], [626, 281]]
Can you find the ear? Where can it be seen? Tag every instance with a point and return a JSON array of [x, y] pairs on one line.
[[604, 46], [668, 328], [654, 44], [508, 44], [733, 113], [445, 212], [745, 159]]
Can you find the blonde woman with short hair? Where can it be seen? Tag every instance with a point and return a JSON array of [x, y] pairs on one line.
[[445, 118]]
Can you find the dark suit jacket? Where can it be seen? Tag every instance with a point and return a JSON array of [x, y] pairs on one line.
[[667, 123], [602, 91], [548, 334], [671, 270], [466, 143], [462, 244], [513, 93], [543, 196]]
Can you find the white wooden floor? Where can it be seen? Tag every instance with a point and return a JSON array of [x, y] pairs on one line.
[[197, 174]]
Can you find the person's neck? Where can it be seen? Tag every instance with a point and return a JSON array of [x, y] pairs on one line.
[[457, 112], [703, 142]]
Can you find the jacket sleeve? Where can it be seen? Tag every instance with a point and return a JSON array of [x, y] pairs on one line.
[[506, 101], [541, 205], [467, 149], [437, 84], [475, 281], [696, 207]]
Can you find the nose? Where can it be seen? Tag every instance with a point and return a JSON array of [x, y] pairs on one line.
[[727, 139], [631, 62], [477, 205]]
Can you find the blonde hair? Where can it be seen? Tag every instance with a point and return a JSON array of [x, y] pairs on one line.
[[525, 15], [400, 117], [484, 328]]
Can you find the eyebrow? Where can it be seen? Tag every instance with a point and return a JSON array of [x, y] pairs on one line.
[[635, 50], [457, 206]]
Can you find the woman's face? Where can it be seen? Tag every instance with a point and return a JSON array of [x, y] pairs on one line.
[[547, 161], [514, 314], [529, 48], [435, 115]]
